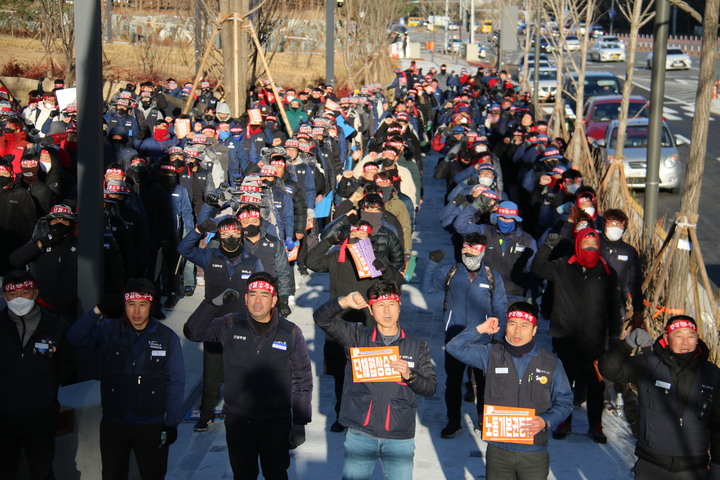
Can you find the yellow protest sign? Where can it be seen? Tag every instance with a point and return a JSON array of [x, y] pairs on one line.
[[372, 364], [505, 424]]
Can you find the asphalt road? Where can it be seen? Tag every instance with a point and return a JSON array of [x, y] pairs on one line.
[[678, 110]]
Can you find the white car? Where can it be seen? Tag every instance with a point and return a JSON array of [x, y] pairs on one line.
[[547, 77], [572, 43], [676, 60], [613, 39], [607, 52]]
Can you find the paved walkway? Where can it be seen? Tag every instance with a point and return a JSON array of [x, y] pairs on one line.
[[201, 456]]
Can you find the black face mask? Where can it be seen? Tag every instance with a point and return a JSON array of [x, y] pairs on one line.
[[5, 181], [121, 112], [386, 192], [373, 218], [61, 230], [550, 164], [269, 183], [251, 230], [116, 141], [230, 244], [137, 174], [209, 118], [168, 182], [145, 105], [387, 162]]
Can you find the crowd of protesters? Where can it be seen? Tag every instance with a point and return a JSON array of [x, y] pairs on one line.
[[242, 206]]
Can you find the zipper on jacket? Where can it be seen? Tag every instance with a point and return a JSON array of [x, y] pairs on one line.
[[367, 416], [387, 419]]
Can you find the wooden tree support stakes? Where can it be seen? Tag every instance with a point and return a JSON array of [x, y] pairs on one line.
[[685, 226]]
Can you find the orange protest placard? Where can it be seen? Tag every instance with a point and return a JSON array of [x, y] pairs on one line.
[[293, 254], [504, 424], [372, 364], [182, 127]]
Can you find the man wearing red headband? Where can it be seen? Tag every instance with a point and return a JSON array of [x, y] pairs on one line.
[[142, 384], [519, 374], [268, 377], [36, 360], [380, 416], [472, 291], [677, 400]]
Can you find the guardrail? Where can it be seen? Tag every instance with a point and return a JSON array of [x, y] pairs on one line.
[[690, 44]]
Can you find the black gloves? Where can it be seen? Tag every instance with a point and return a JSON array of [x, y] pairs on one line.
[[283, 308], [437, 256], [639, 338], [552, 240], [49, 240], [297, 436], [228, 296], [212, 200], [207, 226], [337, 237], [459, 199], [483, 204], [168, 435], [380, 264]]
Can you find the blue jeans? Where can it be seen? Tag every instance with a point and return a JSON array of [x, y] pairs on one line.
[[362, 452]]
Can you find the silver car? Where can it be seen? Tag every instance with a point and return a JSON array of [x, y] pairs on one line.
[[548, 83], [572, 43], [676, 60], [607, 52], [636, 151]]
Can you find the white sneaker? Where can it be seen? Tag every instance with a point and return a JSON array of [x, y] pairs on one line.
[[291, 301]]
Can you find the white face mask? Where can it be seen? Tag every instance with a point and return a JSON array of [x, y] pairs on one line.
[[614, 233], [485, 181], [45, 166], [20, 306], [589, 210], [472, 262]]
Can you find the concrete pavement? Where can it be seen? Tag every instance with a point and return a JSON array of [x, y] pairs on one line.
[[204, 455]]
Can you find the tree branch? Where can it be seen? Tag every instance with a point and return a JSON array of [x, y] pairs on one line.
[[688, 9]]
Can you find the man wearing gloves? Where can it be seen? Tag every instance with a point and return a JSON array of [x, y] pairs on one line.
[[473, 292], [677, 401], [268, 381], [228, 266], [142, 385], [379, 415], [508, 364]]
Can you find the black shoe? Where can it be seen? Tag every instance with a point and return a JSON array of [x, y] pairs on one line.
[[203, 425], [303, 271], [171, 301], [451, 430], [562, 431], [596, 433], [337, 427], [189, 290], [159, 315]]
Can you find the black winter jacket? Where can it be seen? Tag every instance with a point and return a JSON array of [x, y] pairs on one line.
[[586, 306]]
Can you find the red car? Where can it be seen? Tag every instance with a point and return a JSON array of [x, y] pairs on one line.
[[600, 111]]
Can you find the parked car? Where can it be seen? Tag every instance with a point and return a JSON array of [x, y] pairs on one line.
[[531, 64], [600, 111], [636, 146], [454, 45], [572, 43], [607, 52], [597, 31], [597, 84], [548, 83], [676, 60]]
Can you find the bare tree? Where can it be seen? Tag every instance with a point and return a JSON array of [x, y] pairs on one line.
[[637, 15], [557, 8], [362, 33], [677, 296], [56, 28]]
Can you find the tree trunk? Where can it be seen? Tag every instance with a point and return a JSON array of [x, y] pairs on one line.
[[677, 295], [628, 86], [577, 148]]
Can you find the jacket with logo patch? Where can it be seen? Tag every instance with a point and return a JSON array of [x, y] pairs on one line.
[[268, 377], [379, 409]]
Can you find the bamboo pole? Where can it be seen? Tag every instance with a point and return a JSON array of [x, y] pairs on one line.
[[208, 49], [261, 54], [703, 271]]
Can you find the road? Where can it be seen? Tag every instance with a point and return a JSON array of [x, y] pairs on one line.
[[678, 110]]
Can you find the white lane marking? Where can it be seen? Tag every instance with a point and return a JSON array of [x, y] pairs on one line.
[[683, 138], [670, 116]]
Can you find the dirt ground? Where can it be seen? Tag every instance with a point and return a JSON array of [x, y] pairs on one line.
[[140, 62]]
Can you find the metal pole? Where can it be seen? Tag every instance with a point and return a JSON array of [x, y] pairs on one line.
[[447, 17], [657, 95], [108, 21], [198, 35], [612, 17], [536, 67], [472, 22], [88, 61], [329, 42]]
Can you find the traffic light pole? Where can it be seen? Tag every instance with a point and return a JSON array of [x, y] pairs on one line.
[[330, 42]]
